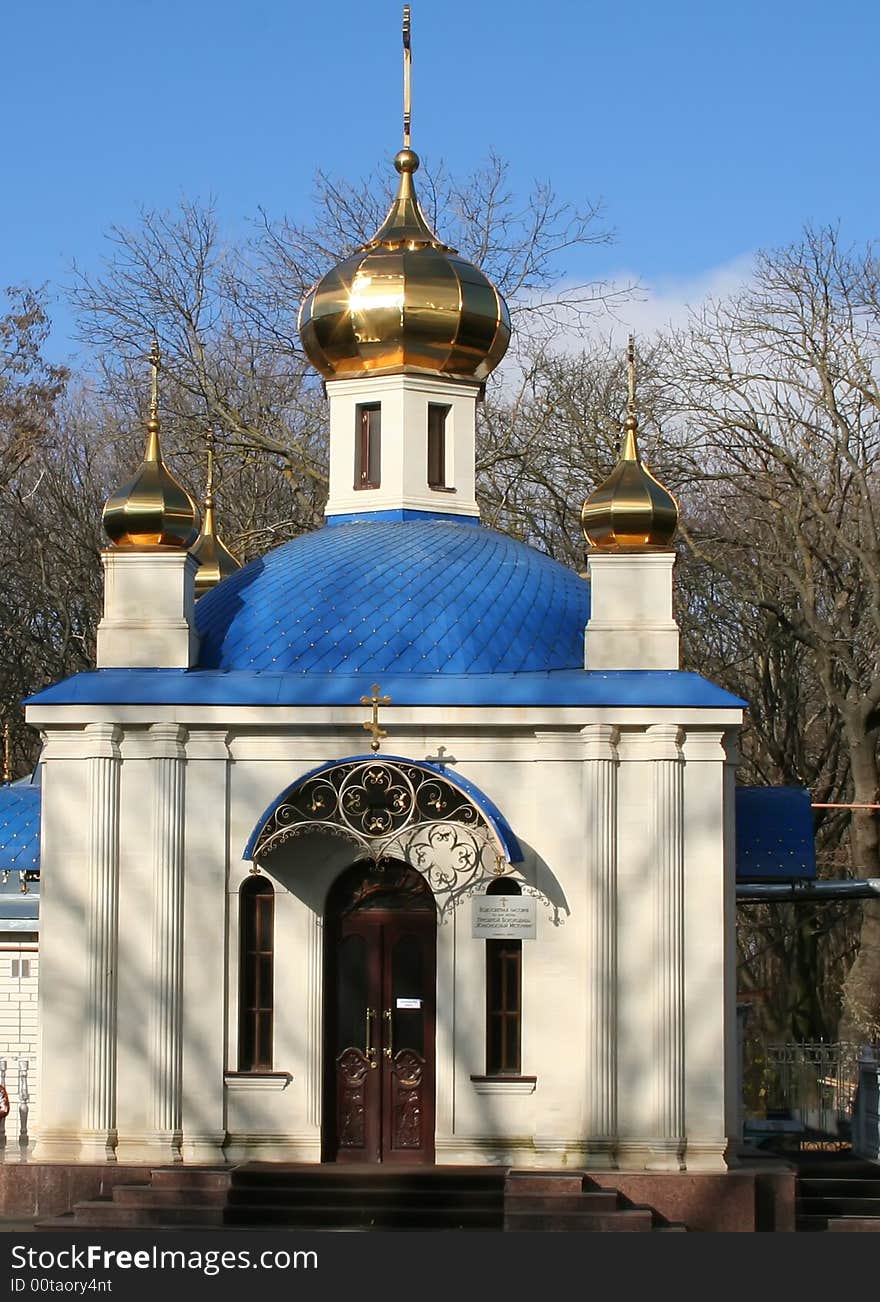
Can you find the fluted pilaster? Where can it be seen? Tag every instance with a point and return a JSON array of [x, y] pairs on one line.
[[600, 803], [99, 1119], [166, 1039], [204, 960], [667, 1140], [315, 1016]]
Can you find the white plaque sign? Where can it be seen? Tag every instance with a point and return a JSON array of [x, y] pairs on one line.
[[503, 917]]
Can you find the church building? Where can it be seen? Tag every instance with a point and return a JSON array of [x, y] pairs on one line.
[[402, 843]]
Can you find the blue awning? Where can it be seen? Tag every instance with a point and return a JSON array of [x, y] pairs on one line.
[[20, 828], [775, 840]]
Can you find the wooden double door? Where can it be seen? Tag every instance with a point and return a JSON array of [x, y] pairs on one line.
[[380, 1002]]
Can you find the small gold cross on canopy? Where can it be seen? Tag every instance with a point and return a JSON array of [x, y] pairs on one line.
[[372, 725]]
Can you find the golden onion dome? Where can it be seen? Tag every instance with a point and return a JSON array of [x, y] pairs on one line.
[[153, 509], [405, 301], [216, 561], [631, 508]]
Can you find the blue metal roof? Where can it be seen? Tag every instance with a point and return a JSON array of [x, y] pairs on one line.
[[378, 596], [440, 611], [19, 829], [775, 840], [640, 688], [493, 814]]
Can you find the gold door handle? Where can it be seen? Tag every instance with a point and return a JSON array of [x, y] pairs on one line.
[[389, 1034], [369, 1051]]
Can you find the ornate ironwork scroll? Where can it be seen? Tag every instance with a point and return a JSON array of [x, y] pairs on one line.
[[394, 811]]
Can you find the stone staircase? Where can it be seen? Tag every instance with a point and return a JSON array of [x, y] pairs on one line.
[[357, 1198], [839, 1194], [267, 1195], [177, 1197], [541, 1201]]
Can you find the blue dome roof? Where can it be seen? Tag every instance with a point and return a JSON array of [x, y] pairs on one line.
[[404, 596]]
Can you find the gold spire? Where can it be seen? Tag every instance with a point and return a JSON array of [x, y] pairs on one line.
[[404, 301], [406, 224], [631, 508], [7, 766], [152, 509], [215, 559], [407, 78]]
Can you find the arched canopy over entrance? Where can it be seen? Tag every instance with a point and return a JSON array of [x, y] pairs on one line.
[[393, 808]]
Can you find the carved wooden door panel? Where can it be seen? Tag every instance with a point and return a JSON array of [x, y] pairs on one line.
[[381, 978], [408, 1017], [355, 1052]]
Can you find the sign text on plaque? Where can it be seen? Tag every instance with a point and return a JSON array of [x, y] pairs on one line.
[[503, 917]]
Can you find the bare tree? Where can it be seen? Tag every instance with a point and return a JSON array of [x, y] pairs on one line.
[[777, 390], [29, 385], [50, 526], [225, 313]]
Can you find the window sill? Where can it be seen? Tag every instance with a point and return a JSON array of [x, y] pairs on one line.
[[442, 488], [245, 1081], [504, 1084]]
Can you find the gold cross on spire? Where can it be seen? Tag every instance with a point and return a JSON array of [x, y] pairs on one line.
[[155, 360], [372, 725], [209, 447], [631, 376], [407, 78]]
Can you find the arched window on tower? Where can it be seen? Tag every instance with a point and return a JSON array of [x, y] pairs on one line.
[[437, 418], [503, 996], [256, 974], [368, 446]]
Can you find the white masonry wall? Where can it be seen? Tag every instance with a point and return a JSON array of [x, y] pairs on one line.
[[19, 975], [624, 818], [404, 401]]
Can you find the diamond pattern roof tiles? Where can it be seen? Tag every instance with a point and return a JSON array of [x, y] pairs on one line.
[[19, 828], [405, 596]]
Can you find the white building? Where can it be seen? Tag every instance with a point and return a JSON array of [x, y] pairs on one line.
[[263, 935], [19, 961]]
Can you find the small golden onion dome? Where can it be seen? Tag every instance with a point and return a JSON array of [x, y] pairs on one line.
[[631, 508], [153, 509], [216, 561], [404, 302]]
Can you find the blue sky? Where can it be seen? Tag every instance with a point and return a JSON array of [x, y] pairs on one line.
[[709, 130]]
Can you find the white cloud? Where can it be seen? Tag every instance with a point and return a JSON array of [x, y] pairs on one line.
[[657, 305]]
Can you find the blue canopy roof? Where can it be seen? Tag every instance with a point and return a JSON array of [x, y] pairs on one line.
[[774, 834], [19, 830]]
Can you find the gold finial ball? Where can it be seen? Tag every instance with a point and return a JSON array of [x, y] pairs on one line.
[[407, 160], [631, 424]]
